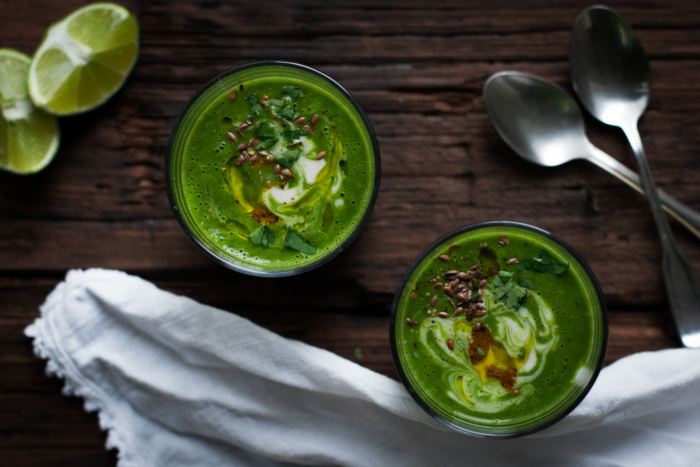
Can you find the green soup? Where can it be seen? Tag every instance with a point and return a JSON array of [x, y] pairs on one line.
[[273, 169], [499, 331]]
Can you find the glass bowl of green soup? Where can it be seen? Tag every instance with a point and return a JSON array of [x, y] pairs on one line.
[[499, 329], [272, 169]]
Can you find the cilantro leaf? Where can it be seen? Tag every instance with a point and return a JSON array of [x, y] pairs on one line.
[[275, 103], [475, 296], [527, 283], [262, 236], [256, 108], [545, 264], [480, 352], [287, 112], [294, 93], [505, 276], [291, 135], [288, 157], [294, 241], [265, 131], [506, 290], [266, 144], [522, 353]]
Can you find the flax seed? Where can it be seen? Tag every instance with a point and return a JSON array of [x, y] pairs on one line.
[[413, 295], [314, 120], [512, 261], [483, 282], [437, 286], [254, 142], [232, 96], [454, 283], [454, 247], [443, 315], [480, 306], [450, 344], [480, 313], [321, 155], [240, 160], [504, 240], [445, 258], [433, 301], [243, 126], [410, 322], [458, 312], [473, 268], [243, 146], [231, 136], [477, 327], [308, 128], [277, 172], [300, 121], [287, 174], [493, 271]]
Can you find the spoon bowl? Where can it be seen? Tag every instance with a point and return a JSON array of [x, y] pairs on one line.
[[536, 118], [609, 68]]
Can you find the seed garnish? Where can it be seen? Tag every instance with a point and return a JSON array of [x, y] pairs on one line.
[[287, 174], [410, 322], [231, 136], [243, 146], [300, 121], [413, 295], [454, 247], [443, 315], [308, 128], [480, 313], [321, 155], [504, 240], [232, 96], [314, 120], [445, 258], [450, 344], [512, 261], [433, 301], [458, 311], [437, 286], [493, 271], [449, 292]]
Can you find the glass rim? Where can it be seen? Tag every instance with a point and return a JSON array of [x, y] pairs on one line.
[[169, 187], [403, 374]]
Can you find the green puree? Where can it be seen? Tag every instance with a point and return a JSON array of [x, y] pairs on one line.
[[249, 208], [542, 317]]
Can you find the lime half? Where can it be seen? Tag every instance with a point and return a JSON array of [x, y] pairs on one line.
[[28, 136], [84, 59]]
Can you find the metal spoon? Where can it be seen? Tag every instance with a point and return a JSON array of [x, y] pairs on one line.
[[612, 78], [544, 125]]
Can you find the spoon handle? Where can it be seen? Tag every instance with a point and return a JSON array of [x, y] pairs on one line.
[[681, 284], [688, 217]]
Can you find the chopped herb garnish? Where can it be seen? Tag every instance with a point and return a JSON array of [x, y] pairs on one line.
[[274, 103], [527, 283], [475, 296], [358, 353], [288, 157], [256, 108], [475, 283], [266, 144], [522, 353], [543, 265], [294, 93], [287, 112], [291, 135], [506, 291], [266, 130], [480, 352], [262, 236], [294, 241]]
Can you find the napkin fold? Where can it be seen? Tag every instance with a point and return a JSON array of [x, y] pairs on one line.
[[178, 383]]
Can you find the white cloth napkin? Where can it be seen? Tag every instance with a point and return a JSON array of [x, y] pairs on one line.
[[178, 383]]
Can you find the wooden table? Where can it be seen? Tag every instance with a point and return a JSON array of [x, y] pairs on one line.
[[417, 67]]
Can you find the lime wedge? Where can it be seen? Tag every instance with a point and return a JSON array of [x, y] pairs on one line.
[[84, 59], [28, 136]]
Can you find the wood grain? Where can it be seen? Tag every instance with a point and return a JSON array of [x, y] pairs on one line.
[[417, 67]]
